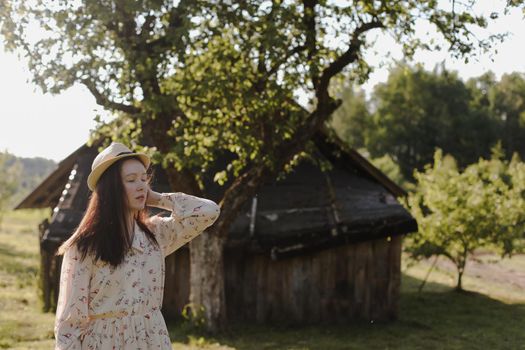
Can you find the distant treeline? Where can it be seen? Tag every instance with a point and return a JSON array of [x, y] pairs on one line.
[[22, 175], [417, 111]]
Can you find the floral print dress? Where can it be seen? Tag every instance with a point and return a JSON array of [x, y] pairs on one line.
[[105, 307]]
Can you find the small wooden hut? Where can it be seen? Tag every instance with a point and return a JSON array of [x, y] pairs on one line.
[[314, 247]]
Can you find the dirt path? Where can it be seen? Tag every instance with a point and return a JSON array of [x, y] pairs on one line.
[[490, 267]]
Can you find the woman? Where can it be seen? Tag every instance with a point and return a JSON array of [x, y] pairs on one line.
[[112, 276]]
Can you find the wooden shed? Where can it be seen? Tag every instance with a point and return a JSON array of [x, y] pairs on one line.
[[315, 246]]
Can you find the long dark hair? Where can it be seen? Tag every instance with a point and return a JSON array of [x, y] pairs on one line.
[[103, 231]]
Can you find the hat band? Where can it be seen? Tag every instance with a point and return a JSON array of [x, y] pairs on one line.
[[123, 153]]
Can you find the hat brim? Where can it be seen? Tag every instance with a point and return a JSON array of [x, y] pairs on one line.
[[99, 170]]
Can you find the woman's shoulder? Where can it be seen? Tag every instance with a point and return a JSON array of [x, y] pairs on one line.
[[71, 249], [68, 245]]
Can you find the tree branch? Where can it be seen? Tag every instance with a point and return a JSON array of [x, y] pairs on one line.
[[127, 31], [259, 85], [175, 21], [237, 194], [346, 58], [311, 37], [289, 54], [147, 26], [104, 101]]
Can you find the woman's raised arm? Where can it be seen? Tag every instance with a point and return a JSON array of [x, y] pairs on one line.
[[190, 216]]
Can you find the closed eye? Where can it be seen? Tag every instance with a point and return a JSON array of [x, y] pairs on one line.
[[133, 180]]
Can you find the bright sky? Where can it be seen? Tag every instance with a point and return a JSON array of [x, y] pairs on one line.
[[33, 124]]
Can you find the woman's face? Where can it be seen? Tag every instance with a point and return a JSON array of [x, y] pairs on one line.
[[135, 181]]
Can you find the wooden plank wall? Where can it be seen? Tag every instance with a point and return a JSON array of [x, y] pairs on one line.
[[49, 279], [359, 281], [176, 285]]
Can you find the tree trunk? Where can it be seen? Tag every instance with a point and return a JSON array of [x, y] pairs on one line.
[[461, 264], [207, 297], [459, 286], [461, 270]]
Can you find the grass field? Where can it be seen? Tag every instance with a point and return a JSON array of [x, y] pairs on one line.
[[490, 315]]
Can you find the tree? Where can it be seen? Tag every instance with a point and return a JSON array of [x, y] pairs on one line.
[[352, 120], [417, 111], [460, 211], [507, 99], [9, 174], [391, 169], [205, 78], [504, 102]]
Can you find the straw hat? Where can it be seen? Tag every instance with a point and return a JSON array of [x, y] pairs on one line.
[[108, 156]]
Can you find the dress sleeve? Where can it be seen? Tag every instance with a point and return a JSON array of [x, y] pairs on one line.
[[72, 307], [190, 216]]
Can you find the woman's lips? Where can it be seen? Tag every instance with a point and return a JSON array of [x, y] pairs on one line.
[[140, 198]]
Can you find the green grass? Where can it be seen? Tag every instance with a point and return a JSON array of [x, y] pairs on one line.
[[437, 318], [22, 324], [487, 316]]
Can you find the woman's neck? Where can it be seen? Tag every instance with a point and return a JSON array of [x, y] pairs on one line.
[[131, 222]]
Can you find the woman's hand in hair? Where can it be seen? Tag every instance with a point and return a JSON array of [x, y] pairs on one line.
[[152, 197]]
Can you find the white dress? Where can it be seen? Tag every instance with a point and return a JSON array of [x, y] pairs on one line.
[[102, 307]]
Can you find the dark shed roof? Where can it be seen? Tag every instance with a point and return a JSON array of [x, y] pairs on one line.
[[48, 192], [311, 210]]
